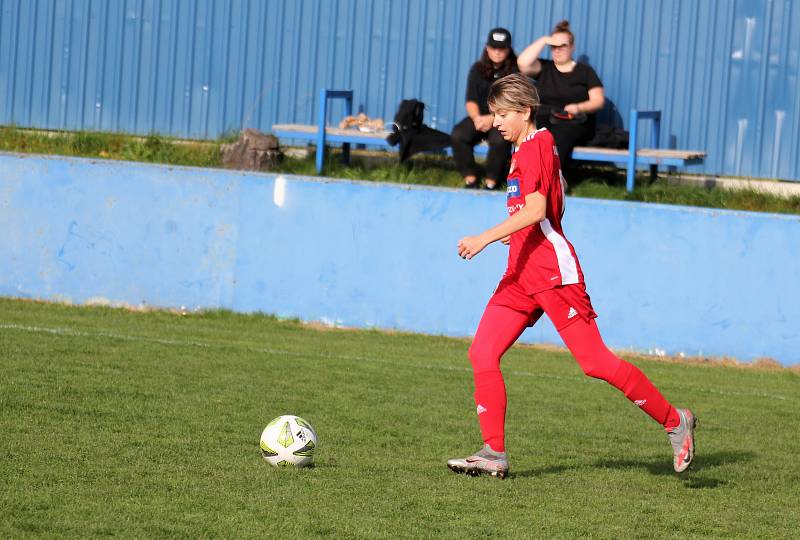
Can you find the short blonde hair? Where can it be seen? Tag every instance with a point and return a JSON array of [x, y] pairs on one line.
[[514, 92]]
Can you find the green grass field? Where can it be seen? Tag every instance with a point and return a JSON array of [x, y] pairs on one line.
[[130, 424]]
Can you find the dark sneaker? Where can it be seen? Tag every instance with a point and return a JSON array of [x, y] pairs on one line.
[[682, 440], [485, 461]]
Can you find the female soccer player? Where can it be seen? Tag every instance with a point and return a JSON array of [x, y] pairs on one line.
[[543, 276]]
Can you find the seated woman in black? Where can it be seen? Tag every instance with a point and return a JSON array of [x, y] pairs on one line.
[[570, 92], [498, 60]]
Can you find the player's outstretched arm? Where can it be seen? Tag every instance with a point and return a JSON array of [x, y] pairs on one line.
[[533, 212]]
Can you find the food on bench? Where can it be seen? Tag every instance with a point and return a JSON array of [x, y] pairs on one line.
[[362, 122]]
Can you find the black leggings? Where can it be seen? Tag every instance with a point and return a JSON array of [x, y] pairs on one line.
[[567, 136], [465, 137]]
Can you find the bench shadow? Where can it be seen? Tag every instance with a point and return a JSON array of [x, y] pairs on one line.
[[658, 466]]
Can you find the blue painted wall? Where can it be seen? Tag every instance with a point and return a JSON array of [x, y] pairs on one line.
[[725, 72], [663, 278]]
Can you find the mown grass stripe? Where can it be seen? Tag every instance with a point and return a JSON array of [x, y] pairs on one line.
[[71, 332]]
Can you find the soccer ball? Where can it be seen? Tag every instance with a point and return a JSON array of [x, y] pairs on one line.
[[289, 441]]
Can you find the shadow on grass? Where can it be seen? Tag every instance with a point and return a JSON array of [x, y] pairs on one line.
[[660, 466]]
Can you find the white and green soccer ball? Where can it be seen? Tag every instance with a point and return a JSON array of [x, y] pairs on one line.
[[289, 441]]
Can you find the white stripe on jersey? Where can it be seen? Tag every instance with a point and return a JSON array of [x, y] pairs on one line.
[[566, 262], [530, 136]]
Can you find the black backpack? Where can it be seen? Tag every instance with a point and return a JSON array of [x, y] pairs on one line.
[[409, 116], [609, 137], [412, 134]]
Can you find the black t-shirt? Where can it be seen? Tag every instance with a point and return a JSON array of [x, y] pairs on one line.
[[478, 86], [558, 89]]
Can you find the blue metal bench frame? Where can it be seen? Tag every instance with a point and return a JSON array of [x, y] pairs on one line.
[[631, 158], [324, 96]]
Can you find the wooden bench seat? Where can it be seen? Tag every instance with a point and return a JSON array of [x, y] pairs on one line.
[[633, 156], [645, 156], [332, 134]]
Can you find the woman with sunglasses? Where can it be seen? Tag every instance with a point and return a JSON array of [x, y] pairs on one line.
[[570, 92]]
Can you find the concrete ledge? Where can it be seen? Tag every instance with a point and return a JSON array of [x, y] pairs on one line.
[[665, 279], [780, 188]]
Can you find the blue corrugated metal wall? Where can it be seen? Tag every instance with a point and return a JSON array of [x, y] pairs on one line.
[[725, 72]]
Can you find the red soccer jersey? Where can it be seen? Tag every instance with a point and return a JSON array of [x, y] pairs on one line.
[[540, 256]]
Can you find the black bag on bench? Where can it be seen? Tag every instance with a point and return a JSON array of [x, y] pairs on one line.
[[412, 134], [609, 137]]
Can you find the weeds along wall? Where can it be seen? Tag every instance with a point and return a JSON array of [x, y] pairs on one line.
[[664, 279]]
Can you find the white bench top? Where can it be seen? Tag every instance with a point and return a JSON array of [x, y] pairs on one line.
[[622, 153], [312, 130]]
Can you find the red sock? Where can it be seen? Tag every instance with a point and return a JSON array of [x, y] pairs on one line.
[[641, 391], [499, 328], [584, 341], [490, 400]]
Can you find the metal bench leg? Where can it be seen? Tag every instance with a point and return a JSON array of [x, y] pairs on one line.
[[322, 122], [320, 154], [323, 112], [631, 176], [654, 143], [348, 111], [346, 153]]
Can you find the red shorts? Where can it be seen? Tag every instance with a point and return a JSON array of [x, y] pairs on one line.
[[563, 304]]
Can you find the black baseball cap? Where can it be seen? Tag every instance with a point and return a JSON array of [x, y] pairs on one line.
[[499, 38]]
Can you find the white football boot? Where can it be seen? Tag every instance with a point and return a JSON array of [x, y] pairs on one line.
[[682, 439], [484, 461]]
